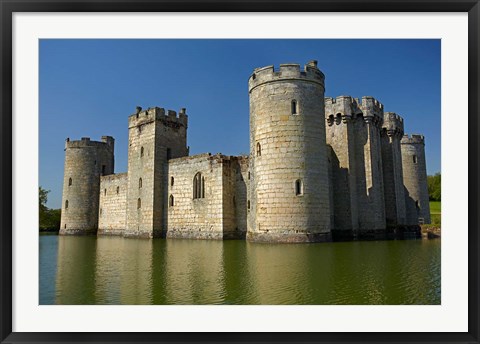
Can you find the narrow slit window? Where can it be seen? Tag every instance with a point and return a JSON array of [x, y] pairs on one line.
[[259, 149], [172, 180], [70, 182], [414, 159], [171, 201], [294, 107], [298, 187], [139, 203], [105, 192], [140, 183], [118, 189], [66, 204], [141, 152], [248, 205]]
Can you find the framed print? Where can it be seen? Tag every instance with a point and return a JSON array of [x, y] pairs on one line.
[[339, 123]]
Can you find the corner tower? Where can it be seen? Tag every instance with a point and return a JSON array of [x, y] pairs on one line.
[[85, 162], [415, 179], [154, 137], [289, 168]]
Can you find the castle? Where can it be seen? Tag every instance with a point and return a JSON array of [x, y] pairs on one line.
[[319, 169]]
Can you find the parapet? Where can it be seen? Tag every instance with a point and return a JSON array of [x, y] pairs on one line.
[[84, 142], [413, 139], [168, 117], [371, 107], [343, 108], [392, 123], [287, 71], [343, 105]]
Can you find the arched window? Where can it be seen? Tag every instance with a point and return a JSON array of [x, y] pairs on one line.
[[414, 159], [294, 107], [141, 152], [198, 186], [259, 149], [298, 187], [171, 181], [140, 183], [139, 203], [118, 189], [70, 182], [171, 201], [66, 204]]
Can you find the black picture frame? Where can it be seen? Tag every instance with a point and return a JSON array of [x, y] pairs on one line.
[[8, 7]]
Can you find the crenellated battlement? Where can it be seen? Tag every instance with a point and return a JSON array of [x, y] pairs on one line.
[[84, 142], [343, 108], [342, 105], [392, 123], [371, 107], [158, 114], [288, 71], [413, 139]]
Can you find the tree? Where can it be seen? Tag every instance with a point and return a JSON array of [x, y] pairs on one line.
[[435, 187], [42, 203], [49, 219]]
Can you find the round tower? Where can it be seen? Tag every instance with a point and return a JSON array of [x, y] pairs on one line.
[[415, 179], [289, 167], [85, 162]]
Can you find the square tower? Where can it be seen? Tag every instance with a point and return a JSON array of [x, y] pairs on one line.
[[154, 137]]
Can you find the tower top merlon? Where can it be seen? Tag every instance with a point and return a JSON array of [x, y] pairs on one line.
[[109, 140], [413, 139], [371, 107], [287, 71], [392, 123], [343, 105], [85, 142], [157, 114]]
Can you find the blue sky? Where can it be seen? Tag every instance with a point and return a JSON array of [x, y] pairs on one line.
[[90, 87]]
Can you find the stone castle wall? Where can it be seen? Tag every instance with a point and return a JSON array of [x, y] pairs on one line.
[[85, 162], [289, 167], [353, 133], [318, 167], [415, 179], [113, 204], [201, 191], [154, 137], [395, 211]]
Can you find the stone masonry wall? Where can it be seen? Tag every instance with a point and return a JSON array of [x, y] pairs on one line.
[[415, 179], [113, 204], [287, 145], [85, 162], [203, 217], [154, 137], [395, 211]]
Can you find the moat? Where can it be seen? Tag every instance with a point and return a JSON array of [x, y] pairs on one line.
[[113, 270]]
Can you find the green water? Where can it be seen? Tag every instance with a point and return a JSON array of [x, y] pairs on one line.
[[110, 270]]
